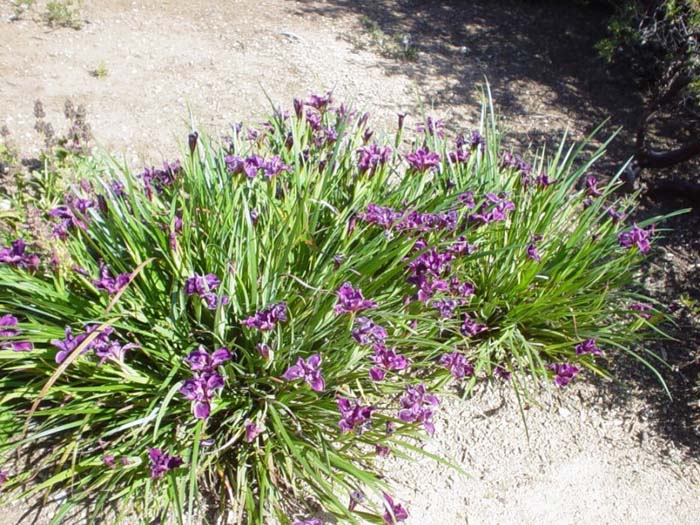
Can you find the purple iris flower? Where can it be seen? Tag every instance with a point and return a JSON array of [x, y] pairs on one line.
[[320, 102], [382, 450], [103, 346], [638, 237], [201, 387], [401, 117], [204, 286], [17, 256], [501, 373], [162, 462], [445, 307], [367, 332], [200, 360], [543, 180], [493, 209], [109, 461], [637, 307], [251, 430], [274, 166], [67, 345], [616, 216], [592, 187], [372, 158], [588, 347], [432, 263], [381, 216], [423, 159], [4, 476], [459, 155], [267, 318], [467, 199], [418, 406], [106, 349], [563, 373], [108, 283], [531, 251], [7, 329], [431, 127], [308, 370], [510, 161], [470, 327], [249, 166], [351, 300], [385, 359], [264, 350], [158, 179], [394, 511], [462, 289], [355, 416], [457, 364]]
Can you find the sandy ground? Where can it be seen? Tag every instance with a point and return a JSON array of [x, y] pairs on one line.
[[595, 453]]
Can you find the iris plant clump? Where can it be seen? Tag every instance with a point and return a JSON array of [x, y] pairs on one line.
[[252, 325]]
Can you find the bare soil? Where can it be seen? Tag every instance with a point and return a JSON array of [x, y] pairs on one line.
[[598, 452]]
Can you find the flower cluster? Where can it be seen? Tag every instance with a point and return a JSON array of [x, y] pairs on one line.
[[493, 209], [531, 251], [72, 214], [428, 271], [563, 373], [417, 407], [201, 387], [385, 359], [8, 324], [367, 332], [162, 462], [457, 364], [636, 236], [470, 327], [16, 255], [642, 309], [588, 347], [251, 430], [351, 300], [372, 158], [394, 511], [108, 283], [355, 417], [102, 345], [252, 165], [158, 179], [423, 159], [309, 370], [267, 318], [204, 286]]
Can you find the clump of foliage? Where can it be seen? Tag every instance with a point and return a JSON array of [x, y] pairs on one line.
[[397, 46], [64, 13], [101, 71], [258, 322], [659, 39]]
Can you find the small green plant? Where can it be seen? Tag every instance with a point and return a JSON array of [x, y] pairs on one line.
[[259, 322], [396, 46], [21, 7], [64, 13], [100, 71]]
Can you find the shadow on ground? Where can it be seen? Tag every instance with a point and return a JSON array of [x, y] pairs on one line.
[[538, 56]]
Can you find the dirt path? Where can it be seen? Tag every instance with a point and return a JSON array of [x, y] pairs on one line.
[[596, 453]]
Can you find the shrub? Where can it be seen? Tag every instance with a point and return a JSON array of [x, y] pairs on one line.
[[256, 323]]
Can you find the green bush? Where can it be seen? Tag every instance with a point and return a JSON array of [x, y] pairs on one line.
[[254, 325]]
